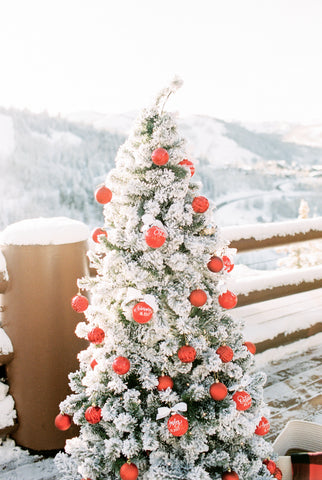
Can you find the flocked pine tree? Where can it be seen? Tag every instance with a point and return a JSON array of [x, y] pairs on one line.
[[166, 389]]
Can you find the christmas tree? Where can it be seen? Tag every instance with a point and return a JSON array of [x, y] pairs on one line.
[[167, 388]]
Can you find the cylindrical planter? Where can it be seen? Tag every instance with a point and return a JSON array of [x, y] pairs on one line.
[[39, 320]]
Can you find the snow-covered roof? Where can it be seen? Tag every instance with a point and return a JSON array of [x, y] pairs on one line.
[[45, 231]]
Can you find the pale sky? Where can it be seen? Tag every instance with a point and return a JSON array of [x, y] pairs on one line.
[[249, 60]]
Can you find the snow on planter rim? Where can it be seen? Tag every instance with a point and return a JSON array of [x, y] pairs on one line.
[[45, 231]]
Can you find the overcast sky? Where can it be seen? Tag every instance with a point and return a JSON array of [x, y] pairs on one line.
[[239, 59]]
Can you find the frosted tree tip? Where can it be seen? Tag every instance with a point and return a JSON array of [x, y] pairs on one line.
[[176, 83]]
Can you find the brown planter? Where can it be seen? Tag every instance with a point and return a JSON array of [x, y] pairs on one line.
[[37, 316]]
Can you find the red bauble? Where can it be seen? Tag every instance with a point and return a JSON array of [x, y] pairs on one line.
[[93, 415], [121, 365], [225, 353], [142, 312], [93, 364], [187, 354], [270, 465], [97, 233], [155, 237], [218, 391], [263, 427], [227, 300], [200, 204], [278, 473], [178, 425], [79, 303], [189, 164], [160, 156], [103, 195], [129, 471], [250, 347], [243, 400], [164, 382], [96, 335], [198, 298], [230, 476], [228, 265], [215, 264], [63, 421]]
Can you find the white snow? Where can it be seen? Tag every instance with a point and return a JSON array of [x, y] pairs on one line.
[[7, 135], [5, 343], [45, 231], [7, 412], [263, 231], [3, 267]]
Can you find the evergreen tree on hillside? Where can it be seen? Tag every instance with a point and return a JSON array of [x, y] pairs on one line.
[[166, 389]]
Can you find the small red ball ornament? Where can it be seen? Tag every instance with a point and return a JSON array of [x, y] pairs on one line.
[[93, 415], [250, 347], [155, 237], [215, 264], [200, 204], [164, 382], [243, 400], [97, 233], [129, 471], [218, 391], [103, 195], [187, 354], [227, 300], [79, 303], [93, 364], [225, 353], [63, 421], [230, 476], [270, 465], [263, 427], [160, 156], [142, 312], [189, 164], [278, 473], [121, 365], [96, 335], [198, 298], [228, 265], [178, 425]]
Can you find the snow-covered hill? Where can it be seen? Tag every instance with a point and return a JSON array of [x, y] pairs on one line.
[[50, 166]]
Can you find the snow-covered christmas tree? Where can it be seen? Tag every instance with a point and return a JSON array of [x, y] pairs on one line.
[[167, 388]]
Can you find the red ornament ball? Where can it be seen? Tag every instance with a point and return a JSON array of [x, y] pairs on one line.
[[121, 365], [270, 465], [155, 237], [63, 421], [200, 204], [189, 164], [160, 156], [215, 264], [79, 303], [198, 298], [164, 382], [228, 265], [93, 415], [243, 400], [230, 476], [129, 471], [142, 312], [103, 195], [187, 354], [218, 391], [96, 335], [250, 347], [93, 364], [178, 425], [227, 300], [263, 427], [225, 353], [278, 473], [97, 233]]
